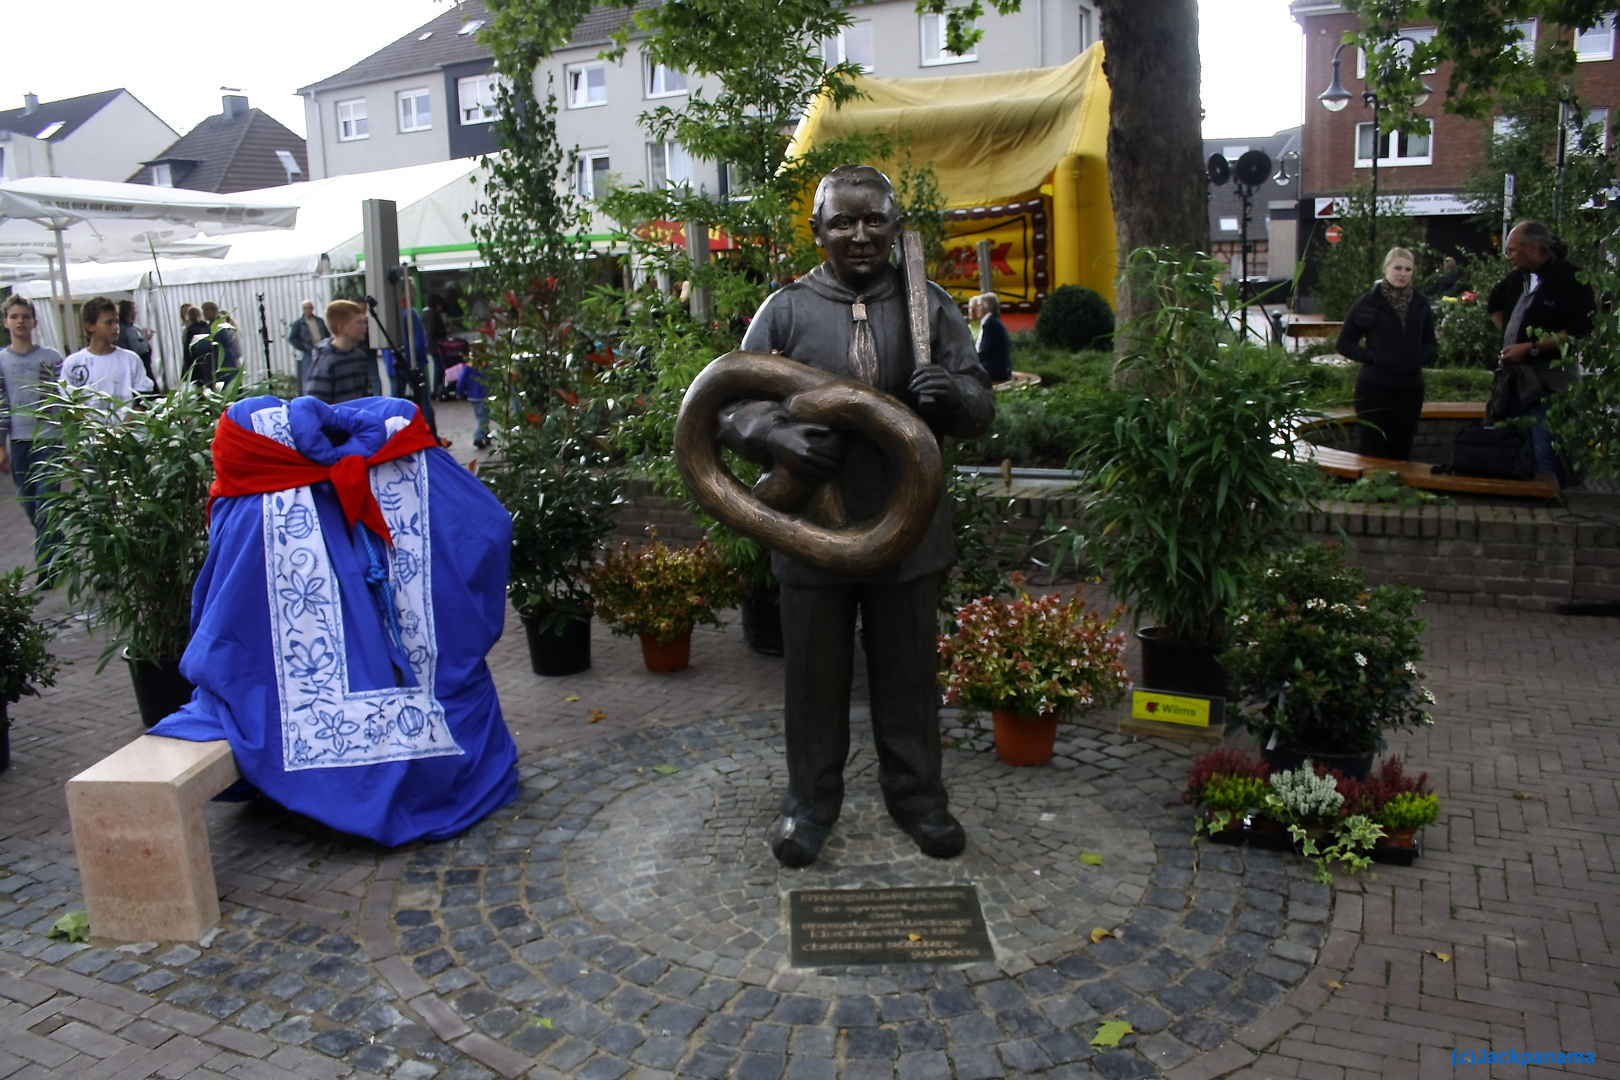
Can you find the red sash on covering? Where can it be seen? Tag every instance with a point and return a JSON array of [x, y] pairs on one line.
[[247, 463]]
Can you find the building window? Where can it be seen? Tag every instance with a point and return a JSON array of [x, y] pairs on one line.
[[1506, 127], [591, 174], [1596, 43], [1592, 136], [1088, 28], [1394, 148], [162, 175], [587, 85], [662, 81], [853, 44], [477, 98], [351, 119], [1404, 48], [1229, 224], [415, 110], [933, 44], [669, 165], [1527, 46]]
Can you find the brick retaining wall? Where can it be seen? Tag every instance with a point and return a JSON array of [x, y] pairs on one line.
[[1531, 559]]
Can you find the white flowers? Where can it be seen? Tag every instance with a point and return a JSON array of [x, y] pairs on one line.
[[1315, 604], [1410, 668], [1428, 696], [1361, 661], [1340, 609], [1306, 796]]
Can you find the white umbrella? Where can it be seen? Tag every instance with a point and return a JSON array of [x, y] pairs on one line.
[[98, 219]]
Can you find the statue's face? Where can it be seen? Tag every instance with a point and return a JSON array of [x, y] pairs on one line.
[[857, 230]]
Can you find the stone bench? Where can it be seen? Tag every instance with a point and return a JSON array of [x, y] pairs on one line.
[[142, 840]]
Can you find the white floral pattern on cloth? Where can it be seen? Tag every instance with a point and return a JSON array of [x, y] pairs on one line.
[[325, 723]]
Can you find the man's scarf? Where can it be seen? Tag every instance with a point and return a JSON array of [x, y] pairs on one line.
[[247, 463], [863, 357]]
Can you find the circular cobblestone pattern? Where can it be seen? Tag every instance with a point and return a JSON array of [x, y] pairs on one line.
[[625, 913]]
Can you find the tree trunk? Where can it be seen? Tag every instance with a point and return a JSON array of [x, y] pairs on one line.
[[1155, 141]]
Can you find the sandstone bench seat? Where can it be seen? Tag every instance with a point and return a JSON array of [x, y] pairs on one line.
[[1418, 474], [142, 839]]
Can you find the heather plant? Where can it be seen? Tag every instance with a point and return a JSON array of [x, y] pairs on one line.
[[1033, 656], [1220, 763], [1409, 810], [1301, 797]]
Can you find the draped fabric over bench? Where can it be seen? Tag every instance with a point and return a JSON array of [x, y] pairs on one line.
[[355, 582]]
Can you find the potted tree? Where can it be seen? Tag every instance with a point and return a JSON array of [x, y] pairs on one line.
[[26, 662], [129, 526], [1187, 466], [1322, 666], [659, 592], [1032, 662]]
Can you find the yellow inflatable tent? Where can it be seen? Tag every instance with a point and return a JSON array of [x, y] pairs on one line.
[[1021, 159]]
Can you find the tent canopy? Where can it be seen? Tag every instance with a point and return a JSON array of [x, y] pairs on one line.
[[329, 225], [989, 137]]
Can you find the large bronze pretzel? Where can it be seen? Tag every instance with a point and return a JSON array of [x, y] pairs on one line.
[[785, 514]]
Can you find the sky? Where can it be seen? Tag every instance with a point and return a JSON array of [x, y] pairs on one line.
[[175, 55]]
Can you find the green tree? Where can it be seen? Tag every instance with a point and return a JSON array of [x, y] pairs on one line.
[[1350, 267]]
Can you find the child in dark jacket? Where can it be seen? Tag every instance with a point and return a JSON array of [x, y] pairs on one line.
[[1390, 331]]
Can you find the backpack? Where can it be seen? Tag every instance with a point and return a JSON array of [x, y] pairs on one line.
[[1504, 453]]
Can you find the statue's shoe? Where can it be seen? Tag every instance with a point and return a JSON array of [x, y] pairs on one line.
[[937, 833], [796, 841]]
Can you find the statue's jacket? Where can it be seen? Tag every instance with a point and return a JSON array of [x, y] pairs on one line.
[[811, 321]]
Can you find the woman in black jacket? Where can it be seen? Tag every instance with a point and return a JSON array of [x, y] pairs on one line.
[[1391, 332]]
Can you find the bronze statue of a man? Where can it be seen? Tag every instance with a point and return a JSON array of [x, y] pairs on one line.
[[848, 316]]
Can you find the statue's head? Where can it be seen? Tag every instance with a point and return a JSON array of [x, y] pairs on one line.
[[855, 219]]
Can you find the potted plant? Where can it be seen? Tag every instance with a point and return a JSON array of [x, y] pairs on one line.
[[660, 593], [1188, 468], [559, 485], [1309, 803], [1322, 666], [26, 662], [1225, 785], [1032, 662], [1399, 804], [129, 526]]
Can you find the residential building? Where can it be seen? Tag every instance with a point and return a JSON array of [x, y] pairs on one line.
[[240, 149], [600, 100], [427, 97], [1273, 208], [102, 136], [1428, 169]]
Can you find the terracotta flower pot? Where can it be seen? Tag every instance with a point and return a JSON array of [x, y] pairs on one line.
[[1022, 739], [1400, 838], [669, 656]]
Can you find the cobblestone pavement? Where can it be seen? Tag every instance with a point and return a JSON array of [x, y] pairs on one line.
[[619, 921]]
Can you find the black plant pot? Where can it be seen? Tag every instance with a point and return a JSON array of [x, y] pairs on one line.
[[1185, 666], [1352, 765], [762, 621], [160, 689], [565, 650], [5, 739]]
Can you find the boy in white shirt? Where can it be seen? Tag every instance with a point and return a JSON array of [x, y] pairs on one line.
[[113, 373]]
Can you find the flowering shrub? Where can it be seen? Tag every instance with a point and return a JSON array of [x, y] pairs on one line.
[[661, 590], [1221, 763], [1321, 662], [1467, 337], [1033, 656]]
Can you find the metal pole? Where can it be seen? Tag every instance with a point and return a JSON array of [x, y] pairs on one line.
[[697, 252], [1563, 148], [67, 292], [987, 273], [1507, 209], [1372, 218], [1246, 198]]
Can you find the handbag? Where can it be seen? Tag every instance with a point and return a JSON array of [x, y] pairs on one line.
[[1503, 453]]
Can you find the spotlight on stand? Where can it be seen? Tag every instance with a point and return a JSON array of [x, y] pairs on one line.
[[1218, 169]]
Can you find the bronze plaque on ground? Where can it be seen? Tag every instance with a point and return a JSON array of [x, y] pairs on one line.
[[847, 927]]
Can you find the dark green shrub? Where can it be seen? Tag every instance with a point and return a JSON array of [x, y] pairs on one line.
[[1075, 318]]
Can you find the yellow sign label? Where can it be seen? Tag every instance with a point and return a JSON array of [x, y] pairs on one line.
[[1169, 708]]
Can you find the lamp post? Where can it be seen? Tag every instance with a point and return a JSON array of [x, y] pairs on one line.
[[1334, 99]]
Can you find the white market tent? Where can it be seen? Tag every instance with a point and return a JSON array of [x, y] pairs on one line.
[[288, 266]]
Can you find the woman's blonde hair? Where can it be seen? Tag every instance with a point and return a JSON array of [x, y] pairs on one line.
[[1399, 253]]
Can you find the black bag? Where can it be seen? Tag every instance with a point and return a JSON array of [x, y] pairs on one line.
[[1503, 453]]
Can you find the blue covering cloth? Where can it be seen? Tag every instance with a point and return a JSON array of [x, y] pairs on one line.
[[388, 728]]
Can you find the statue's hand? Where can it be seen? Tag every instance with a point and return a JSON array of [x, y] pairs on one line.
[[935, 389], [810, 451]]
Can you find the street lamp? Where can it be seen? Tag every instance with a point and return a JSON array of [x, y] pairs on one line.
[[1283, 177], [1334, 99]]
